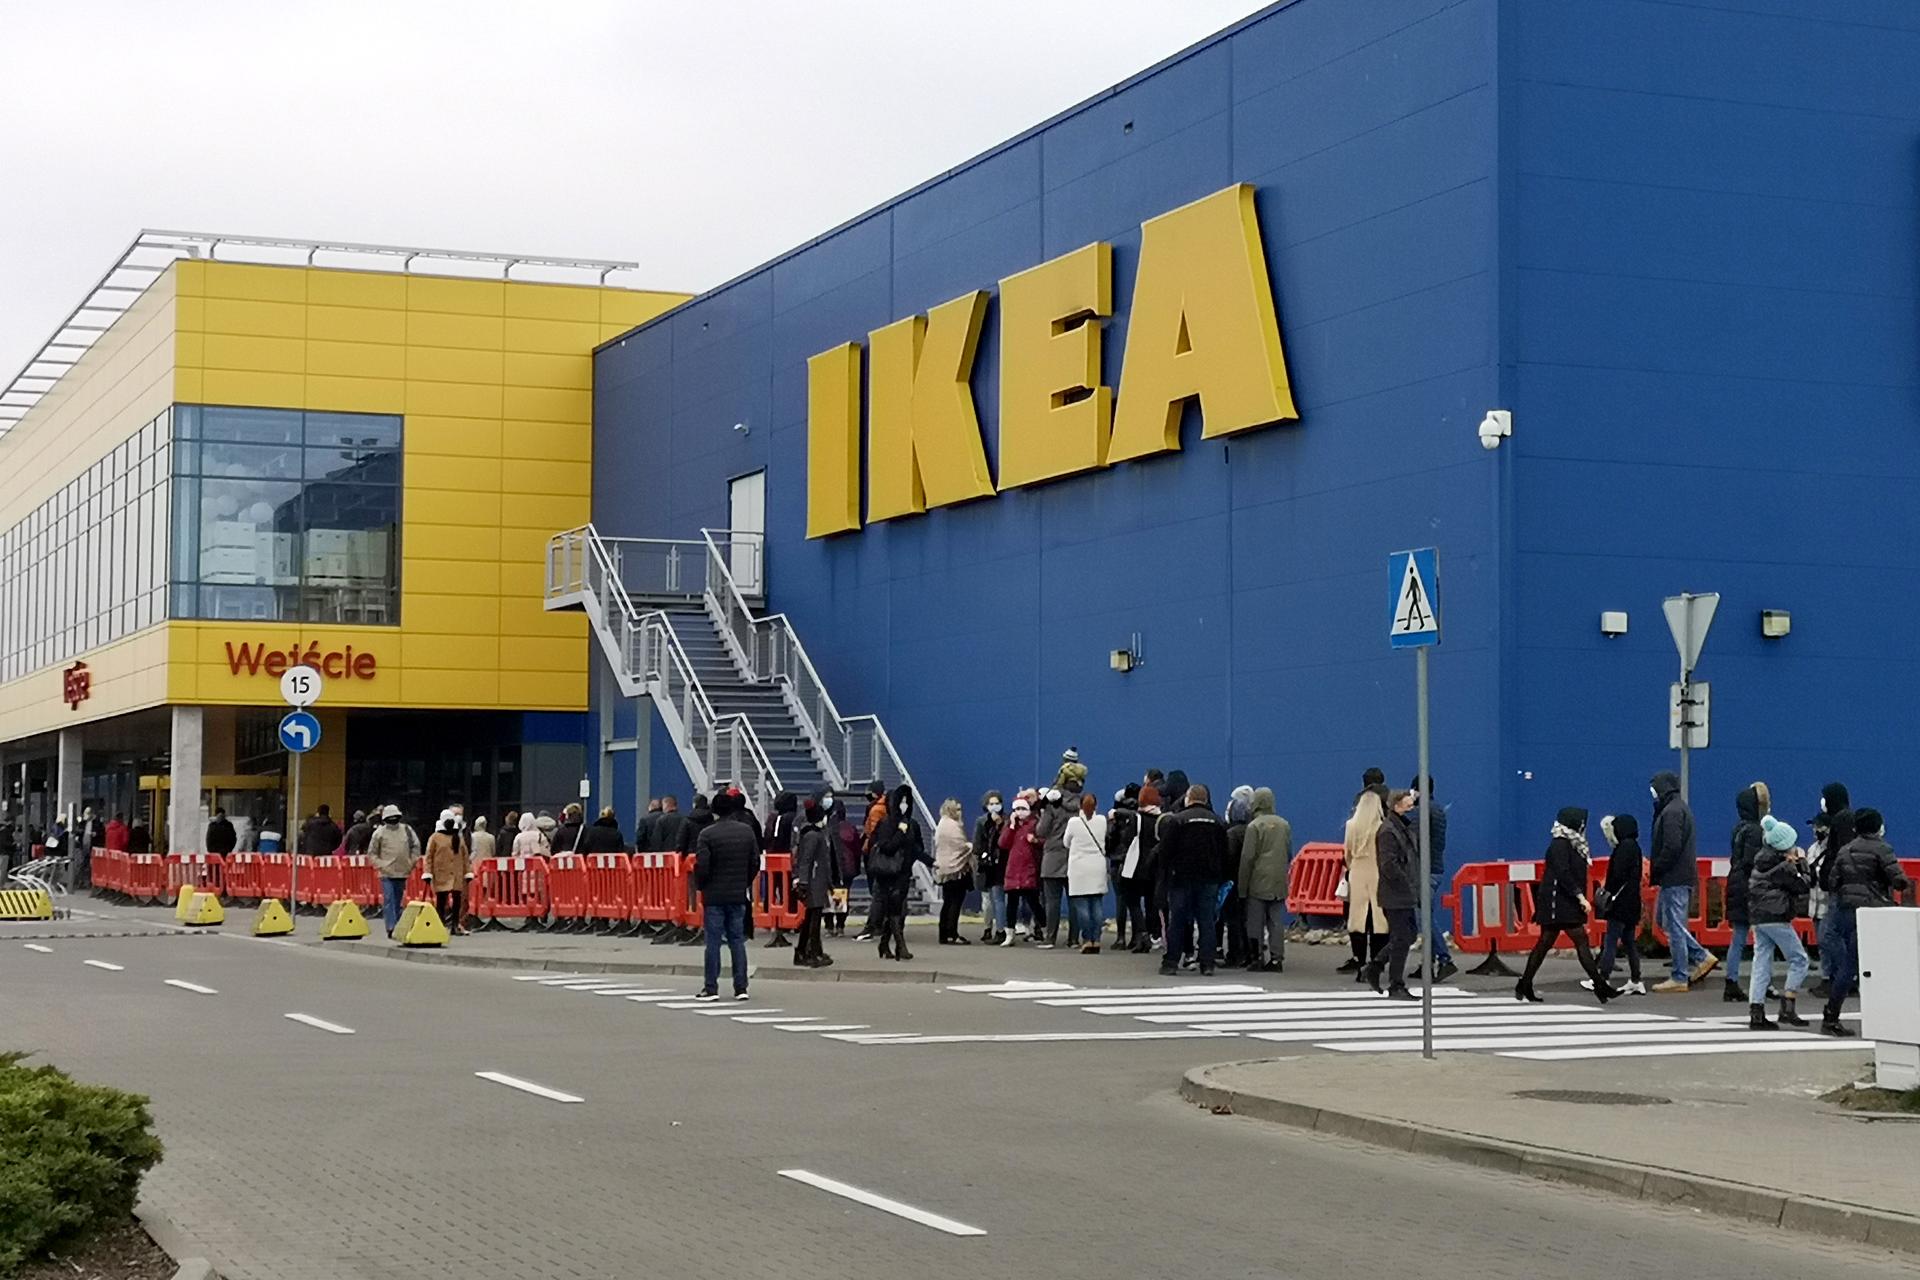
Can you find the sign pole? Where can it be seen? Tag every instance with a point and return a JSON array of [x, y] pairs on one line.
[[1426, 864], [299, 731], [293, 852]]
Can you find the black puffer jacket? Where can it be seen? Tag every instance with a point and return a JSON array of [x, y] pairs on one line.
[[1399, 860], [1866, 874], [898, 842], [1674, 857], [1751, 804], [1777, 887], [603, 837], [726, 862], [1625, 870], [1838, 806]]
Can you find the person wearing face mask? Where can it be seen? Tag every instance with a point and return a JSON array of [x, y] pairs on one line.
[[953, 869], [898, 843], [394, 848], [813, 877], [1672, 865], [448, 869], [1021, 849], [1560, 906], [1836, 807], [1864, 873], [531, 842], [990, 866]]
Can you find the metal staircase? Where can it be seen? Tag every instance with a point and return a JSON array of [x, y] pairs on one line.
[[736, 690]]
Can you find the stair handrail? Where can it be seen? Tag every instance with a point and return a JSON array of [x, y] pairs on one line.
[[585, 553], [772, 650]]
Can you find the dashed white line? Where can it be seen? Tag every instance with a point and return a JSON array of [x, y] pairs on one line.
[[102, 964], [835, 1026], [528, 1086], [320, 1023], [1033, 1037], [882, 1203], [194, 987], [725, 1011], [752, 1019], [34, 946], [545, 977], [651, 999], [628, 991]]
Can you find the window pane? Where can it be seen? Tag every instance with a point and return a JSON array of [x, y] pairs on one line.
[[355, 465], [333, 430], [218, 458], [249, 532], [253, 426]]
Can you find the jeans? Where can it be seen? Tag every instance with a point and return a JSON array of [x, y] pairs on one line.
[[1843, 940], [1821, 929], [1440, 953], [1767, 938], [1056, 890], [393, 894], [1671, 908], [728, 919], [1620, 935], [1266, 929], [993, 905], [1737, 949], [1191, 903], [1089, 916]]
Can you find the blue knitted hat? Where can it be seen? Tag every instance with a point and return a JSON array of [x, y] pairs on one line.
[[1777, 834]]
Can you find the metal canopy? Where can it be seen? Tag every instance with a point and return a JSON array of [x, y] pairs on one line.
[[152, 252]]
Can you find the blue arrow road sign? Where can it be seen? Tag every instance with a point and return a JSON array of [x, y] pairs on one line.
[[1413, 598], [300, 732]]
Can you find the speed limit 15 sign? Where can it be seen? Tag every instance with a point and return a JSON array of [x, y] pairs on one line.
[[301, 686]]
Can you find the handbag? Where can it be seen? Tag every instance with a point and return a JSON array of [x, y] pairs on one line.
[[1602, 901], [1131, 863], [1341, 891]]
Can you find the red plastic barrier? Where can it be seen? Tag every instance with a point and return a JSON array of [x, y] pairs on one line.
[[359, 881], [609, 886], [419, 889], [657, 889], [1313, 879], [319, 880], [206, 872], [243, 877], [1492, 906], [567, 886], [109, 870], [146, 877], [773, 904], [692, 903], [509, 889]]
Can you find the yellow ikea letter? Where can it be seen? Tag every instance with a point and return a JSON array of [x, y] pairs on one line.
[[1202, 325], [923, 436], [1054, 414], [833, 440]]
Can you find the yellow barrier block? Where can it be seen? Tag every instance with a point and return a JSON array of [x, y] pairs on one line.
[[343, 921], [204, 908], [420, 926], [26, 904], [272, 919], [182, 903]]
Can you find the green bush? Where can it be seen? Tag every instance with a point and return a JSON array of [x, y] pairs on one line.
[[71, 1157]]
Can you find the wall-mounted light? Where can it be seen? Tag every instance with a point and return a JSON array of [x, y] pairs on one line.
[[1124, 660], [742, 428], [1495, 427], [1613, 623], [1775, 623]]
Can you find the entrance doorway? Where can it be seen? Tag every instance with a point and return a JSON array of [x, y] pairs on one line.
[[747, 518]]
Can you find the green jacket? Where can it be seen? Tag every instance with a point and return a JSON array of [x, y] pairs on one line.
[[1265, 852]]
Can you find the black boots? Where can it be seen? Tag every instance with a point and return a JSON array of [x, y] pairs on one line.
[[1788, 1018], [1830, 1024], [1732, 993], [1757, 1019], [1524, 991], [1372, 976]]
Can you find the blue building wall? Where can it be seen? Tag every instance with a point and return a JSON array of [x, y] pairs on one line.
[[1666, 236]]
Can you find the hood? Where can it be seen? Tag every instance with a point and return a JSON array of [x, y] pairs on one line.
[[1748, 804], [1175, 791], [1262, 801], [1573, 818], [1621, 826], [1834, 798], [900, 799], [786, 802], [1240, 804], [608, 821], [1665, 787]]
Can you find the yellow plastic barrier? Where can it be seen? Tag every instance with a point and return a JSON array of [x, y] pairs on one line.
[[271, 919], [182, 903], [203, 909], [26, 904], [420, 926], [343, 921]]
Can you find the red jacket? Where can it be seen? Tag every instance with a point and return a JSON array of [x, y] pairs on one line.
[[117, 834], [1023, 854]]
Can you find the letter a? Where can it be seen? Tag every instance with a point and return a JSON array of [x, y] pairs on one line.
[[1202, 325]]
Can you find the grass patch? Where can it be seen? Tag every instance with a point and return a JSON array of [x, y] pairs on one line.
[[1863, 1097]]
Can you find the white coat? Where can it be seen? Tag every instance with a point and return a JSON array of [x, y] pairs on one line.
[[1086, 855]]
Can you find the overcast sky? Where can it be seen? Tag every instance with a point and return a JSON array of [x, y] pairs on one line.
[[698, 137]]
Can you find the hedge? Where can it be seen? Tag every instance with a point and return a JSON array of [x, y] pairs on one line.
[[71, 1158]]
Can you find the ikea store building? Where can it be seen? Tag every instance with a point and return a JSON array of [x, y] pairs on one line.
[[1174, 372]]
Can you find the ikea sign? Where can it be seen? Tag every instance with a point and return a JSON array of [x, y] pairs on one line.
[[1201, 326]]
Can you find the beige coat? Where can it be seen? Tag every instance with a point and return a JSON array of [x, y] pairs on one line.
[[1363, 885], [447, 863], [483, 845]]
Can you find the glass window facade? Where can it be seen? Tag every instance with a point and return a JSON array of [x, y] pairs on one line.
[[284, 515], [89, 565]]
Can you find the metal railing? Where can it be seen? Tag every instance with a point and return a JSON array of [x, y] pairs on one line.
[[647, 658], [850, 749]]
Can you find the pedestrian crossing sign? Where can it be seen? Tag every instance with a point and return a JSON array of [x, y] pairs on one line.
[[1413, 598]]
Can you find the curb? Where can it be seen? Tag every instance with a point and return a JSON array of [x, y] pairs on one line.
[[690, 969], [162, 1231], [1641, 1182]]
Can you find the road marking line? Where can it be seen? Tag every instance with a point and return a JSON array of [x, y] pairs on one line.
[[1801, 1044], [725, 1011], [1397, 1010], [753, 1019], [528, 1086], [1012, 984], [685, 1004], [1108, 993], [321, 1023], [1319, 1032], [1227, 1004], [34, 946], [882, 1203], [833, 1026], [591, 985], [631, 991], [1034, 1037], [1659, 1035], [102, 964], [1363, 995], [578, 979], [546, 977], [651, 999], [192, 986]]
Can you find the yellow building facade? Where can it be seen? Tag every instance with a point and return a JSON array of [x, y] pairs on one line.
[[448, 432]]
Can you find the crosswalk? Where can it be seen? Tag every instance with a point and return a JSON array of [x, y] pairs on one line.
[[1332, 1021]]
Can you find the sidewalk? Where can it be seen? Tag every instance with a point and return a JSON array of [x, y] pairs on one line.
[[1745, 1137]]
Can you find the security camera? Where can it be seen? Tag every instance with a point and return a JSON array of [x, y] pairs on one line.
[[1613, 623], [1495, 427]]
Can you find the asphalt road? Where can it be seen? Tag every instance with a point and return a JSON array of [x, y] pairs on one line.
[[295, 1151]]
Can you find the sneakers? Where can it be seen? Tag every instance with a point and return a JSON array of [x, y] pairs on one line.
[[706, 995], [740, 995], [1704, 968], [1446, 970], [1671, 988], [1007, 939], [1635, 988], [1043, 946]]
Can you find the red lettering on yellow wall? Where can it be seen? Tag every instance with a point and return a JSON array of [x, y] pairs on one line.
[[335, 664]]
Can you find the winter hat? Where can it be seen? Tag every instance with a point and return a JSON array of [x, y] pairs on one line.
[[1070, 756], [1020, 807], [1572, 818], [1625, 827], [1240, 804], [1777, 834], [1867, 822]]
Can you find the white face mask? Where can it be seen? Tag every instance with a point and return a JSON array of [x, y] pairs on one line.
[[994, 808], [1654, 792]]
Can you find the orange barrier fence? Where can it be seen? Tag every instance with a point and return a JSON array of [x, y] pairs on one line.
[[567, 887], [508, 889], [146, 877], [773, 904], [657, 887], [609, 887], [252, 877], [206, 872], [1314, 879], [108, 870]]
